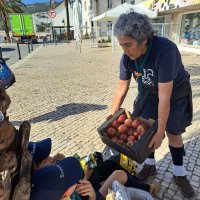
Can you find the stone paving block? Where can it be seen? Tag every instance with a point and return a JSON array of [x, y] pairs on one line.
[[173, 186], [177, 197], [171, 192], [195, 178], [194, 184]]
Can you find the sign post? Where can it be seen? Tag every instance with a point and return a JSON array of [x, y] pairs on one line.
[[52, 13]]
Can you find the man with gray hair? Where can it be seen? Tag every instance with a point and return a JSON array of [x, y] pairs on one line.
[[164, 91]]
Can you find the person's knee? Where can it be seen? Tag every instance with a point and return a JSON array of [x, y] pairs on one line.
[[175, 140], [120, 176]]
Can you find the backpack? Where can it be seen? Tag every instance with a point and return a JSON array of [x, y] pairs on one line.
[[7, 77]]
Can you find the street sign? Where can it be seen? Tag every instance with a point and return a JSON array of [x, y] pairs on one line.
[[52, 13]]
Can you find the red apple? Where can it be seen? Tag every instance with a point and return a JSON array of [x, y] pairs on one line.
[[111, 132], [141, 129], [135, 124], [130, 131], [130, 143], [136, 134], [131, 138], [123, 137], [117, 134], [121, 118], [115, 123], [122, 128], [114, 139], [128, 122], [120, 142]]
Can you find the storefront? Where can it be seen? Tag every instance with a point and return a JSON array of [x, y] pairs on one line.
[[182, 20], [190, 29]]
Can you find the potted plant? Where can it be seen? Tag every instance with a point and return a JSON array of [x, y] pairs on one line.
[[105, 42]]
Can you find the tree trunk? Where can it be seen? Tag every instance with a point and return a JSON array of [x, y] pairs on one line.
[[6, 25]]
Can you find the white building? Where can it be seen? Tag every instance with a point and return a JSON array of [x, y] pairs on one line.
[[92, 8], [59, 23]]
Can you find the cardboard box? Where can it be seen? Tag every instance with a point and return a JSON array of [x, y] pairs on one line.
[[139, 151]]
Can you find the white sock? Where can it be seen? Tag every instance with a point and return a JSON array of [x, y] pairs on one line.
[[179, 170], [150, 161]]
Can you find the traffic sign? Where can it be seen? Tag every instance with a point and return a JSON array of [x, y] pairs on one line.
[[52, 13]]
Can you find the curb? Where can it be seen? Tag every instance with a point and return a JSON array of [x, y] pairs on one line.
[[28, 57]]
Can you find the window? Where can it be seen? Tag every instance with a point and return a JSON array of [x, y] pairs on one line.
[[90, 5], [109, 25], [190, 31], [109, 3], [123, 1], [133, 2], [85, 6]]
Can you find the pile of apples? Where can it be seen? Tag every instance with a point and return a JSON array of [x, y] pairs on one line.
[[126, 131]]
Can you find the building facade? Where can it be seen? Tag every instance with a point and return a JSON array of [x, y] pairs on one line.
[[92, 8], [181, 19]]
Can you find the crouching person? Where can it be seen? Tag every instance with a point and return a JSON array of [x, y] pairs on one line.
[[57, 178]]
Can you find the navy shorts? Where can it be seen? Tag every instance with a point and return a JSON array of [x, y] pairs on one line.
[[180, 115]]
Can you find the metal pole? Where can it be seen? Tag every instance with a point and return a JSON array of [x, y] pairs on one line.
[[68, 23], [1, 56], [28, 46], [43, 42], [18, 49], [113, 40], [55, 37], [31, 45]]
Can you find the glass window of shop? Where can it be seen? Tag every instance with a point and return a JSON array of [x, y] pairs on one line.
[[190, 29]]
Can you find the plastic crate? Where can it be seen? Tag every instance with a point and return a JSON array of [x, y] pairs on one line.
[[139, 151]]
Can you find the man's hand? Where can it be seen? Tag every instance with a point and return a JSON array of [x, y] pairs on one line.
[[85, 189], [156, 141], [58, 157]]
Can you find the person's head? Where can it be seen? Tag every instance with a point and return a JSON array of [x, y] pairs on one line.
[[133, 30], [40, 152], [54, 181]]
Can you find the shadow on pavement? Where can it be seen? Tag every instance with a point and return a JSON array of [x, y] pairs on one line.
[[6, 59], [5, 49], [64, 111]]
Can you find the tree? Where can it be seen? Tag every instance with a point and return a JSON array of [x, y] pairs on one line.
[[6, 7]]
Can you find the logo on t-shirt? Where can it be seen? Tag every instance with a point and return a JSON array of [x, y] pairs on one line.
[[147, 77]]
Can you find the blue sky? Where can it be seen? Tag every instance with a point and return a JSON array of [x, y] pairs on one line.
[[37, 1]]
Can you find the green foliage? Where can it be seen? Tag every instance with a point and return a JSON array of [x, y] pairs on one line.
[[38, 7], [103, 40], [41, 28], [6, 7]]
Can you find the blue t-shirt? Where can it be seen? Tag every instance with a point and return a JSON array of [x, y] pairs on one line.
[[163, 65]]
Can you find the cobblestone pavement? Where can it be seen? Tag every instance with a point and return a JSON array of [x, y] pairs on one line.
[[67, 96]]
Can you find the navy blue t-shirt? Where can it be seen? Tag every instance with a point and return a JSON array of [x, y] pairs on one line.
[[163, 65]]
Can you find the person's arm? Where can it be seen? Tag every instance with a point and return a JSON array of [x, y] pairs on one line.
[[120, 94], [84, 188], [164, 94]]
